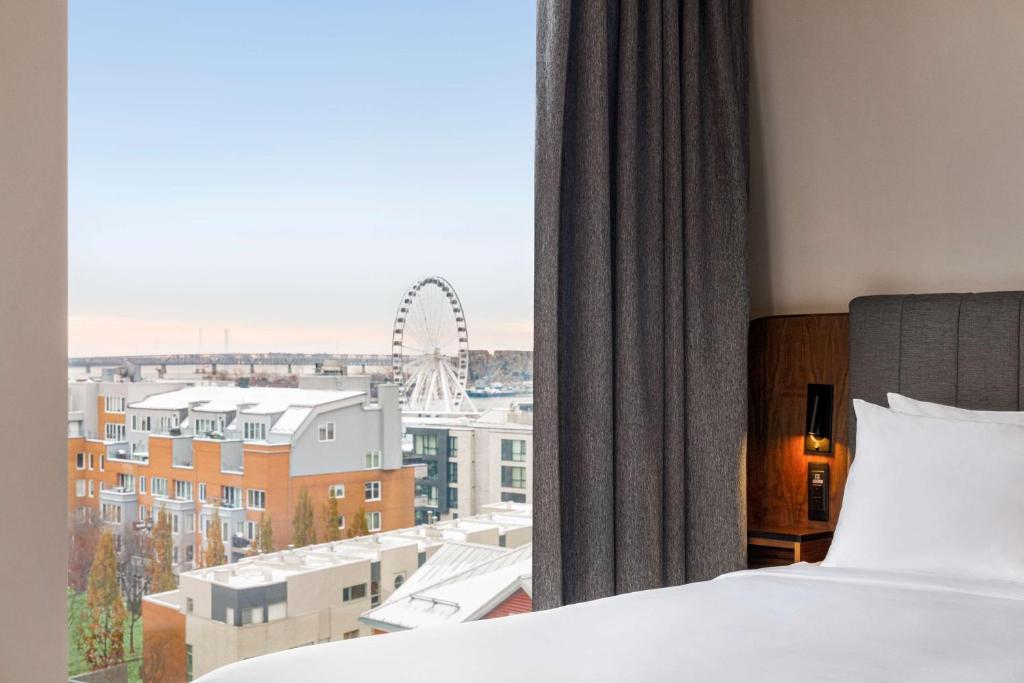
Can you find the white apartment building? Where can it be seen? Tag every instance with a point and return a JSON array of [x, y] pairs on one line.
[[470, 461]]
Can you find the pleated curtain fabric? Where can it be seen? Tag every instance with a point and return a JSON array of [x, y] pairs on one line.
[[641, 300]]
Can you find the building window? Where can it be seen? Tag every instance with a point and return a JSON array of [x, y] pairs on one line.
[[257, 499], [336, 490], [371, 491], [92, 488], [252, 615], [432, 469], [513, 497], [279, 610], [356, 592], [142, 513], [254, 431], [453, 473], [349, 635], [103, 463], [182, 489], [325, 431], [230, 497], [80, 488], [250, 530], [174, 525], [114, 404], [202, 492], [126, 482], [453, 497], [190, 554], [141, 423], [373, 460], [513, 477], [190, 523], [513, 450], [225, 532], [373, 521], [80, 461], [92, 460], [142, 483], [189, 606], [453, 446], [110, 513], [115, 431], [158, 486], [341, 521], [188, 659], [425, 444], [174, 555]]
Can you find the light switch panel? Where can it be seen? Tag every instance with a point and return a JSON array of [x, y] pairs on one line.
[[817, 491]]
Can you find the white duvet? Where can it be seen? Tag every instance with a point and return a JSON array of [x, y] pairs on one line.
[[798, 623]]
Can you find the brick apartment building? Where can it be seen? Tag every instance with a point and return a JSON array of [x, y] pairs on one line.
[[137, 447]]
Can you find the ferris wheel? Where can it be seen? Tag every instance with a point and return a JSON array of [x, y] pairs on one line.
[[430, 349]]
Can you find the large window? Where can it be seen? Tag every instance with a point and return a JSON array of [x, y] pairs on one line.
[[513, 477], [425, 444], [513, 450]]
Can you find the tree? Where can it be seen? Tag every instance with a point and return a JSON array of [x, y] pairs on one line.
[[100, 634], [134, 576], [214, 553], [265, 535], [161, 564], [358, 526], [303, 532], [333, 533], [83, 536]]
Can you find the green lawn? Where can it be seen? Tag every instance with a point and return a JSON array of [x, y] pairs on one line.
[[76, 661]]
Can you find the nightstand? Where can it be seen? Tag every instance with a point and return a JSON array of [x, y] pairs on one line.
[[779, 546]]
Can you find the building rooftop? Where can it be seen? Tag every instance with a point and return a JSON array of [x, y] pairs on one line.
[[248, 400], [463, 596]]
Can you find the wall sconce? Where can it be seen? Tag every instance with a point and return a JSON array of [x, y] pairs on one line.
[[818, 427]]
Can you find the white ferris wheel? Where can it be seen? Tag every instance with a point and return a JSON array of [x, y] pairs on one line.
[[430, 349]]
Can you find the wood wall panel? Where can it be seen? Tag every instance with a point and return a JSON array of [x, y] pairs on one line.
[[786, 354]]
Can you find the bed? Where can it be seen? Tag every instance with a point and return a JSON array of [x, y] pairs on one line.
[[803, 622]]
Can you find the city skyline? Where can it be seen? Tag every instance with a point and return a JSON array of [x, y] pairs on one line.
[[198, 201]]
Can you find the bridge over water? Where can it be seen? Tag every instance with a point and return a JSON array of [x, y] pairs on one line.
[[228, 359]]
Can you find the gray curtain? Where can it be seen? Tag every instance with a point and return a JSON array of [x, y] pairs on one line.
[[641, 295]]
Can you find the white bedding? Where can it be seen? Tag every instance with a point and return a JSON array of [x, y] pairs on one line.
[[797, 623]]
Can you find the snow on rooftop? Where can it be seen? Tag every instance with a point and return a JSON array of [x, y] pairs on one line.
[[290, 420], [256, 400]]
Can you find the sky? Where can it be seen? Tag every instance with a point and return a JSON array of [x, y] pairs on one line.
[[285, 170]]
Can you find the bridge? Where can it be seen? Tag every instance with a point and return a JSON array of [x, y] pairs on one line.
[[226, 359]]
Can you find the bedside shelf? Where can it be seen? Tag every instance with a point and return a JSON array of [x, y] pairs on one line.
[[779, 546]]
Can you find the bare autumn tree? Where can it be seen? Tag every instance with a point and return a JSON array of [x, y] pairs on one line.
[[214, 553], [134, 577], [303, 532], [100, 633], [161, 560], [358, 526], [265, 538], [83, 536], [332, 532]]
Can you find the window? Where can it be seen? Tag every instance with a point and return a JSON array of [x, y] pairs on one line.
[[230, 496], [188, 659], [356, 592], [174, 524], [126, 482], [254, 431], [326, 431], [371, 491], [374, 593], [182, 489], [190, 523], [142, 513], [513, 497], [513, 450], [92, 460], [373, 460], [341, 521], [513, 477], [80, 488], [141, 423], [190, 606], [114, 404], [453, 446], [279, 610], [103, 463], [190, 554], [174, 554], [92, 488], [257, 499], [432, 469], [453, 497], [336, 490], [115, 431], [110, 512], [373, 521], [229, 615], [80, 461], [142, 483], [225, 532], [425, 444], [252, 615], [453, 473], [202, 492], [250, 530], [158, 486], [349, 635]]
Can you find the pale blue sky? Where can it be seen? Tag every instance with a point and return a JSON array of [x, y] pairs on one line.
[[285, 169]]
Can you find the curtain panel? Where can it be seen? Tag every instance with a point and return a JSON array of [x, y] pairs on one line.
[[641, 295]]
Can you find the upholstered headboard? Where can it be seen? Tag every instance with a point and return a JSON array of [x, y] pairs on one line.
[[958, 349]]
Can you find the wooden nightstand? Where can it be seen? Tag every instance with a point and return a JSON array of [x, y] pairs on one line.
[[777, 547]]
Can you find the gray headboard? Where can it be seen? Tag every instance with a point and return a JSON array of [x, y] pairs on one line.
[[958, 349]]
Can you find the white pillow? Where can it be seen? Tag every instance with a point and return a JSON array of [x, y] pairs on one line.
[[910, 406], [933, 495]]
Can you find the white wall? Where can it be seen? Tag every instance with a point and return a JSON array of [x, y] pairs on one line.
[[887, 150], [33, 338]]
